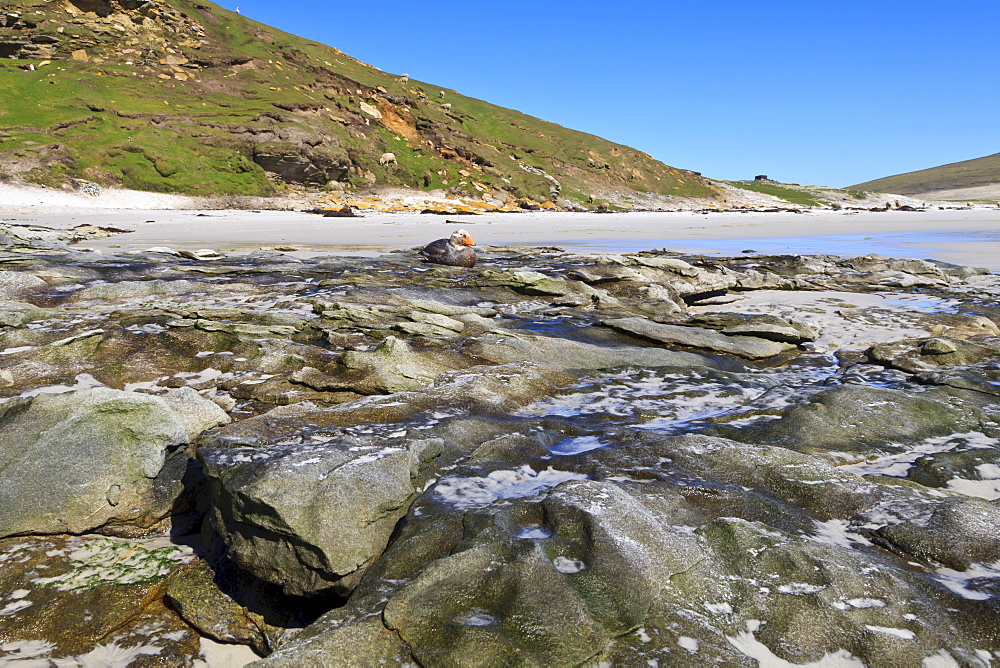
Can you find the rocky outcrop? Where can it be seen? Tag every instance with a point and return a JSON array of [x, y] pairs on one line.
[[750, 347], [300, 165], [552, 459]]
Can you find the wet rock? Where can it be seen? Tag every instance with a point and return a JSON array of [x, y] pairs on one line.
[[111, 589], [536, 283], [852, 418], [488, 496], [18, 314], [978, 379], [594, 553], [760, 596], [799, 480], [695, 337], [772, 328], [91, 459], [917, 355], [958, 533], [975, 472], [123, 290], [393, 366], [371, 644], [569, 354], [609, 273], [672, 265], [485, 391], [964, 325]]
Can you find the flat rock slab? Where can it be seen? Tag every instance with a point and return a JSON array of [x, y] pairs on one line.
[[91, 601], [748, 347]]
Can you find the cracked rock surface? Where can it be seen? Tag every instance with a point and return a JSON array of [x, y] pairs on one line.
[[550, 459]]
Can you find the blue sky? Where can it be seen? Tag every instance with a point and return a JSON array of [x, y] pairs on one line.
[[806, 92]]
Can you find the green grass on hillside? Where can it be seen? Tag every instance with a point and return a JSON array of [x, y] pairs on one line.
[[139, 126], [788, 194], [966, 174]]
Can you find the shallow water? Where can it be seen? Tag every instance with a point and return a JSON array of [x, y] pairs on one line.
[[924, 244]]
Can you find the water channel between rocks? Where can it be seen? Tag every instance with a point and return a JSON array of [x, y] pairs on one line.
[[549, 459]]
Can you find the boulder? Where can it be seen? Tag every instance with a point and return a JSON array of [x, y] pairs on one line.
[[92, 459], [311, 518]]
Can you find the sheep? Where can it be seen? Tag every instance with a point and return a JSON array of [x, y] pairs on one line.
[[386, 158], [446, 106], [440, 93], [403, 79]]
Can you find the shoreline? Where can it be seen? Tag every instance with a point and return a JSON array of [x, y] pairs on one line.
[[961, 236]]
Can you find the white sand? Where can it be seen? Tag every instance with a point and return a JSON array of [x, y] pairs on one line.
[[15, 198], [970, 236]]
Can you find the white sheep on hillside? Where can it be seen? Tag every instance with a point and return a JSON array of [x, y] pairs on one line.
[[446, 106], [403, 79], [386, 158]]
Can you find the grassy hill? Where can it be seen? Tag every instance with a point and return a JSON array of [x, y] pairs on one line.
[[184, 96], [957, 175]]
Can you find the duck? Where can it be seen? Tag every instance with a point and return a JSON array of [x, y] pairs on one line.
[[454, 252]]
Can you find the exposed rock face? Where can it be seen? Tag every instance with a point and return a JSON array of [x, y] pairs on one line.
[[302, 166], [759, 460], [310, 519]]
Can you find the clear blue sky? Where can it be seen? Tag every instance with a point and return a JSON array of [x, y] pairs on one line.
[[827, 93]]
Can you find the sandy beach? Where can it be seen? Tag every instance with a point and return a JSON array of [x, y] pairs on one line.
[[962, 236]]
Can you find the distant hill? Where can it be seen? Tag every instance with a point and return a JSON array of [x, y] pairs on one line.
[[978, 178], [184, 96]]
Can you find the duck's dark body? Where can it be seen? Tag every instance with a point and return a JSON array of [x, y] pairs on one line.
[[454, 252]]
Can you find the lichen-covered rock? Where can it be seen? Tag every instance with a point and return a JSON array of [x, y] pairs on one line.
[[93, 458]]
